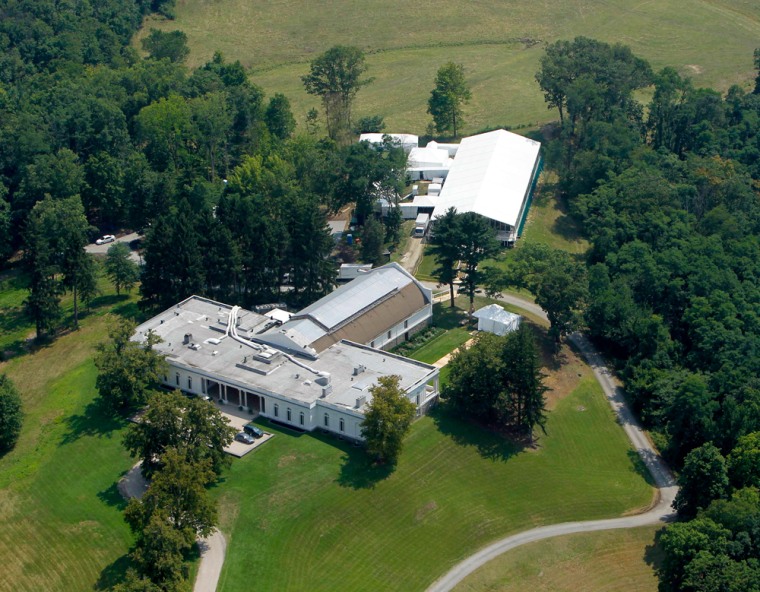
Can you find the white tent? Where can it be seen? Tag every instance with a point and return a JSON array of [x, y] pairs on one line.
[[492, 175], [429, 162], [494, 319]]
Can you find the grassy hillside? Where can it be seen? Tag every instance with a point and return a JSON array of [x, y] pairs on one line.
[[305, 512], [613, 561], [61, 513], [499, 44]]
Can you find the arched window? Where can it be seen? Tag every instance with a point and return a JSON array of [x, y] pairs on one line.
[[289, 414], [189, 383], [327, 420], [301, 418], [342, 425], [276, 410]]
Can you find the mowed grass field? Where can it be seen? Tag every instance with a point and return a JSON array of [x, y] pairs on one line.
[[307, 512], [62, 526], [499, 44], [612, 561]]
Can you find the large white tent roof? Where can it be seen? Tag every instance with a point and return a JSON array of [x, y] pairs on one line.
[[490, 176]]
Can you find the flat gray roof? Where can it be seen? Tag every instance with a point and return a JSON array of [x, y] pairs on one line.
[[256, 366]]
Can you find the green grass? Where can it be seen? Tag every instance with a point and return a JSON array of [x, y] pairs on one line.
[[549, 222], [619, 560], [426, 268], [443, 344], [307, 512], [17, 329], [61, 513], [710, 40]]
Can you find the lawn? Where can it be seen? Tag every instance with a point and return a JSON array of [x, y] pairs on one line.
[[549, 222], [306, 512], [61, 513], [16, 327], [443, 344], [498, 43], [617, 560]]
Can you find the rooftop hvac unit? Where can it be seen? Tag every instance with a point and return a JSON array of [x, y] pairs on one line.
[[361, 401], [359, 369], [326, 390], [187, 338]]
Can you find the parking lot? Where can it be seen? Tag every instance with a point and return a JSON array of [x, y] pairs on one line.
[[237, 420]]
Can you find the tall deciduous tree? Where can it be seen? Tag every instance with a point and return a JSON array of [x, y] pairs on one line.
[[372, 241], [744, 462], [127, 371], [11, 415], [557, 280], [279, 117], [191, 427], [445, 247], [55, 238], [387, 420], [703, 479], [586, 78], [171, 45], [120, 269], [446, 100], [335, 77]]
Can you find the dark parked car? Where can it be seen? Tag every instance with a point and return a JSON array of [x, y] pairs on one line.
[[244, 438], [253, 430]]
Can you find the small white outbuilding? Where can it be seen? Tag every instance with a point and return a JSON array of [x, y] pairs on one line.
[[494, 319]]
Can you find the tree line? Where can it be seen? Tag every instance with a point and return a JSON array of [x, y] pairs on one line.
[[666, 193]]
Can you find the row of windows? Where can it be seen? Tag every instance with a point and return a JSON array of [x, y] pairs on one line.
[[289, 413], [302, 417]]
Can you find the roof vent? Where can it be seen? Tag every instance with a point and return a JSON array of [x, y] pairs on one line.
[[359, 369], [360, 401], [187, 338]]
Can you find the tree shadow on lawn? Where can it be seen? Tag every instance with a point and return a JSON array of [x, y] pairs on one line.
[[113, 573], [112, 496], [653, 555], [489, 444], [97, 420], [358, 471], [446, 317]]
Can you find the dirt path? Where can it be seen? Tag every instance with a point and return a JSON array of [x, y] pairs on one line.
[[661, 512], [413, 254], [213, 547]]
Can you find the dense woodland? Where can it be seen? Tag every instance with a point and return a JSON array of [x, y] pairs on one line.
[[667, 195], [95, 138], [233, 202]]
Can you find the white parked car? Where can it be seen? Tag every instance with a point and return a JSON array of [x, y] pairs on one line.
[[108, 238]]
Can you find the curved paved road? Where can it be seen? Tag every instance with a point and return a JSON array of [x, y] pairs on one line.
[[213, 547], [661, 511]]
